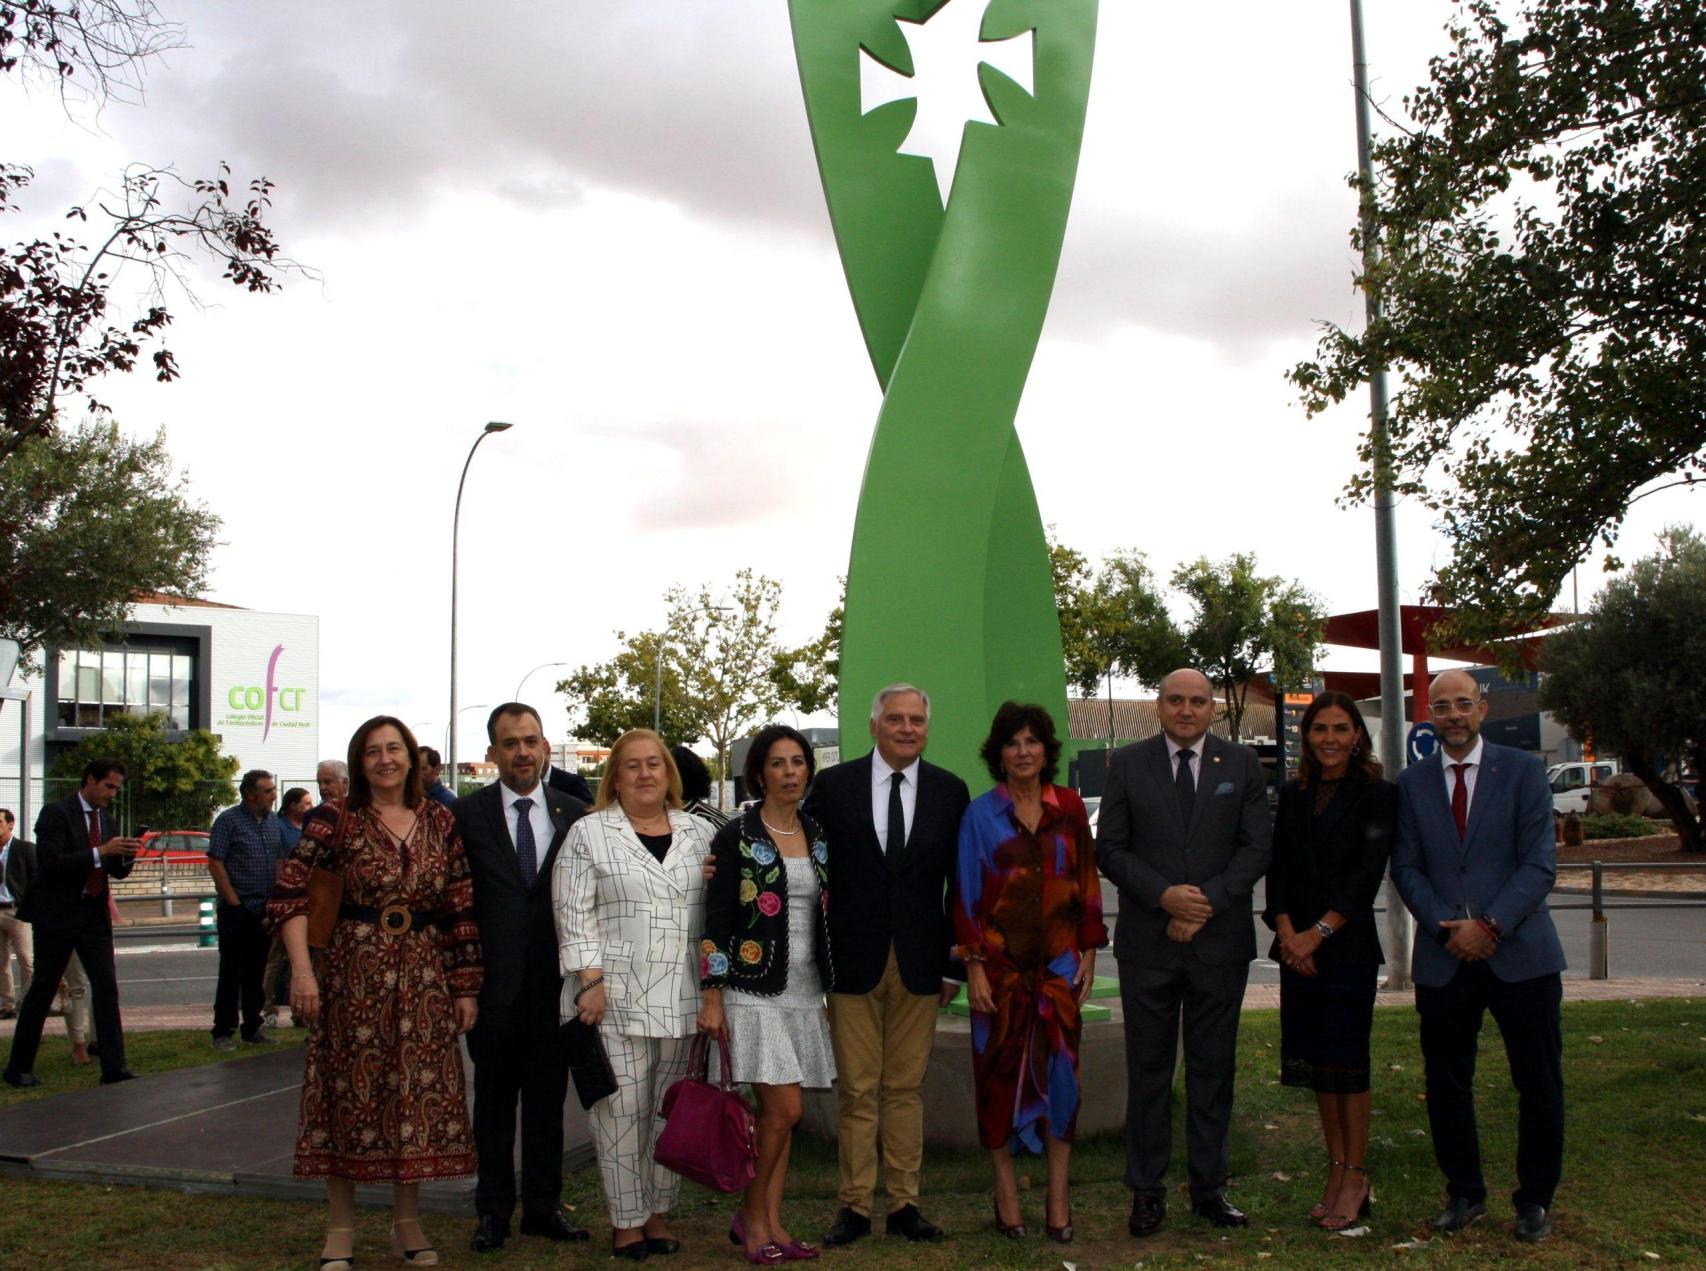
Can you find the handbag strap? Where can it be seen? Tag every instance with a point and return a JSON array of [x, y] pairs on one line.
[[699, 1060]]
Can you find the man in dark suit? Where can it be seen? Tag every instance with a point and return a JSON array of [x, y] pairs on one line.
[[570, 783], [1474, 861], [892, 824], [17, 872], [78, 849], [511, 831], [1184, 834]]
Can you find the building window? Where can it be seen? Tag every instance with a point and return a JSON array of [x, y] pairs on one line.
[[137, 679]]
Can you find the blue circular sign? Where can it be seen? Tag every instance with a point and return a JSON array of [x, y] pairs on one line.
[[1422, 741]]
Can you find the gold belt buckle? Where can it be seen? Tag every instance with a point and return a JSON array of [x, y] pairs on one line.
[[395, 920]]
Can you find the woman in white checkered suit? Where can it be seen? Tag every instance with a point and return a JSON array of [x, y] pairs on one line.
[[629, 893]]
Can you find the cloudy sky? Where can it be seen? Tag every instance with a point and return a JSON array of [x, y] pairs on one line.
[[603, 222]]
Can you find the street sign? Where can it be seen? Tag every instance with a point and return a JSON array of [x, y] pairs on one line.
[[1422, 742]]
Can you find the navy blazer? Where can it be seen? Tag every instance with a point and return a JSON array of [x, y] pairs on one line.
[[518, 934], [1502, 868], [1144, 847]]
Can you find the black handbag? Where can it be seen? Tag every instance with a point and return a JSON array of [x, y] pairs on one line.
[[589, 1065]]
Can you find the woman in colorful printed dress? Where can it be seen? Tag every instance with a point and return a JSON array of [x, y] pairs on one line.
[[767, 944], [1028, 915], [382, 1095], [1332, 834]]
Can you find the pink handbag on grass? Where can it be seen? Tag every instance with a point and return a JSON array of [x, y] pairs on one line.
[[709, 1134]]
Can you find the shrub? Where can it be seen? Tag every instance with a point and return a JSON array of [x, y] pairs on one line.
[[1619, 825]]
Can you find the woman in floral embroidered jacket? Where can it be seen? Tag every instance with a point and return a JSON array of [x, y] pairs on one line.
[[767, 942], [1028, 914]]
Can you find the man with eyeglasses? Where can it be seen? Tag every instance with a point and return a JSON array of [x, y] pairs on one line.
[[244, 849], [1474, 861]]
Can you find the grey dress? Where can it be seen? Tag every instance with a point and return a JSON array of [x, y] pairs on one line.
[[784, 1039]]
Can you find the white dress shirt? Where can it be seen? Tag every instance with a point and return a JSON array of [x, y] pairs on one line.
[[881, 774], [1470, 774], [1196, 749], [537, 814], [5, 857]]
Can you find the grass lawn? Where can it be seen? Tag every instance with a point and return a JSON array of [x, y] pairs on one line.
[[1635, 1075], [143, 1052]]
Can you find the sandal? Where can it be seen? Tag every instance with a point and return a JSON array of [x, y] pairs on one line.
[[1320, 1209], [422, 1255], [1338, 1220], [343, 1262]]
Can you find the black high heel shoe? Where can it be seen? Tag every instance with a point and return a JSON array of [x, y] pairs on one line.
[[1013, 1231], [1338, 1220]]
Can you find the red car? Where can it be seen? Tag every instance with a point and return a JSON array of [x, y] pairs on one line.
[[177, 847]]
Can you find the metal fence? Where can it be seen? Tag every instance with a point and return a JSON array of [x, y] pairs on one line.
[[1599, 926]]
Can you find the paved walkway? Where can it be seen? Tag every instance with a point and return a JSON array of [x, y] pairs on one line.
[[1258, 997]]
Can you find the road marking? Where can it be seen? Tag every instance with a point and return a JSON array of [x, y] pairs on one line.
[[155, 1125], [182, 979], [124, 950]]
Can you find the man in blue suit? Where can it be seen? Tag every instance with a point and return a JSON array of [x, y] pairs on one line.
[[1474, 861]]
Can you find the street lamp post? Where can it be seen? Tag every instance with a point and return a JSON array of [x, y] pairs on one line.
[[455, 545], [530, 675], [1399, 925]]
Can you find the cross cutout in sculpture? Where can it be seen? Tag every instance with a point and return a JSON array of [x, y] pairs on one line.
[[946, 49]]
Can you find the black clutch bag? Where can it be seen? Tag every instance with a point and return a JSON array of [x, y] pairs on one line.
[[589, 1066]]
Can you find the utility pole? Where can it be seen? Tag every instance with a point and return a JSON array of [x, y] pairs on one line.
[[1400, 928]]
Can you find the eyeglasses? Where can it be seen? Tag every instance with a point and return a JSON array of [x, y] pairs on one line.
[[1455, 706]]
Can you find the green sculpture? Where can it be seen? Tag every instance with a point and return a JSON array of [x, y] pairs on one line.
[[948, 584]]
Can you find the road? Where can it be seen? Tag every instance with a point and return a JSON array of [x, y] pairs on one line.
[[161, 970]]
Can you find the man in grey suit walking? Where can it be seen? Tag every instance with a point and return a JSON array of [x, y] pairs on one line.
[[1184, 834], [1474, 861]]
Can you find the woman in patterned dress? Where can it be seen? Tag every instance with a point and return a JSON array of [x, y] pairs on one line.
[[1028, 915], [767, 944], [382, 1096]]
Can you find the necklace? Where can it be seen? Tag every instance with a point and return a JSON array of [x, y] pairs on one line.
[[776, 829]]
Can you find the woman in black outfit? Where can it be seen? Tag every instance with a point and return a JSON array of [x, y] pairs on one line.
[[1332, 835]]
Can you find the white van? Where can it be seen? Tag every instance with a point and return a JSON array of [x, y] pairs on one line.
[[1572, 783]]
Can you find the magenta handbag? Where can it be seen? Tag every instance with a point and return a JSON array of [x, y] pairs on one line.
[[709, 1134]]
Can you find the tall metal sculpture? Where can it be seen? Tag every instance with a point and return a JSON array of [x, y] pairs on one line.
[[948, 583]]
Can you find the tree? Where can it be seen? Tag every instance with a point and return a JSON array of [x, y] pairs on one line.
[[61, 329], [1116, 623], [606, 699], [809, 678], [176, 785], [1242, 619], [718, 674], [728, 653], [1631, 676], [88, 519], [1540, 290]]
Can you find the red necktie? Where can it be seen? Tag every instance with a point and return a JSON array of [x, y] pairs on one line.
[[96, 887], [1460, 799]]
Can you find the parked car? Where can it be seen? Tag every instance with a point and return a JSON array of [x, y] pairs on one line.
[[176, 847], [1573, 783]]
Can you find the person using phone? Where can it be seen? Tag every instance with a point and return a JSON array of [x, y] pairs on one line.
[[78, 851]]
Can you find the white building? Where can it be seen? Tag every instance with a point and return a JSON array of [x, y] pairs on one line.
[[250, 678]]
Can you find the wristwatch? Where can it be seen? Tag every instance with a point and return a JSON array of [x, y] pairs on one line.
[[1325, 930]]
